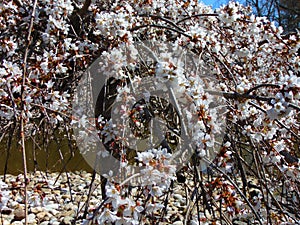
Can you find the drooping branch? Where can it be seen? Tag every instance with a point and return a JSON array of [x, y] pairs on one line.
[[237, 96], [77, 17], [23, 119], [82, 12], [215, 167], [262, 85], [276, 120], [162, 27], [18, 3], [247, 95], [198, 15], [165, 20]]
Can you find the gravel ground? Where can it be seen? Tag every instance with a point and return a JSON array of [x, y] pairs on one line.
[[60, 199], [51, 201], [49, 197]]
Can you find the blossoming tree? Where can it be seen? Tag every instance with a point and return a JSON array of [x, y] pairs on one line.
[[239, 78]]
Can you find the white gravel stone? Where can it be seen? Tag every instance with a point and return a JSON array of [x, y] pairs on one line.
[[178, 196], [43, 216], [17, 223], [30, 219], [52, 220], [68, 220], [178, 223], [36, 209], [5, 222]]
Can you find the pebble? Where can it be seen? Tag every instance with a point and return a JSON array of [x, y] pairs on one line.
[[53, 220], [19, 213], [5, 222], [6, 211], [44, 223], [68, 220], [36, 209], [43, 216], [30, 219], [178, 197], [178, 223]]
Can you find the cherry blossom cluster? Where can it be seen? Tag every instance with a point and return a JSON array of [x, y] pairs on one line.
[[157, 175], [243, 63]]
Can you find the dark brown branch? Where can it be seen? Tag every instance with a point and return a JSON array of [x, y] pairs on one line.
[[164, 19], [294, 106], [84, 8], [235, 95], [162, 27], [262, 85], [197, 15], [77, 17], [18, 3]]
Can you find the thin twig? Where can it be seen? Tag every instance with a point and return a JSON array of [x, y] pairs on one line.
[[264, 184], [92, 187], [217, 57], [23, 121], [129, 178], [12, 101], [294, 106], [276, 120], [236, 187], [9, 148], [52, 110]]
